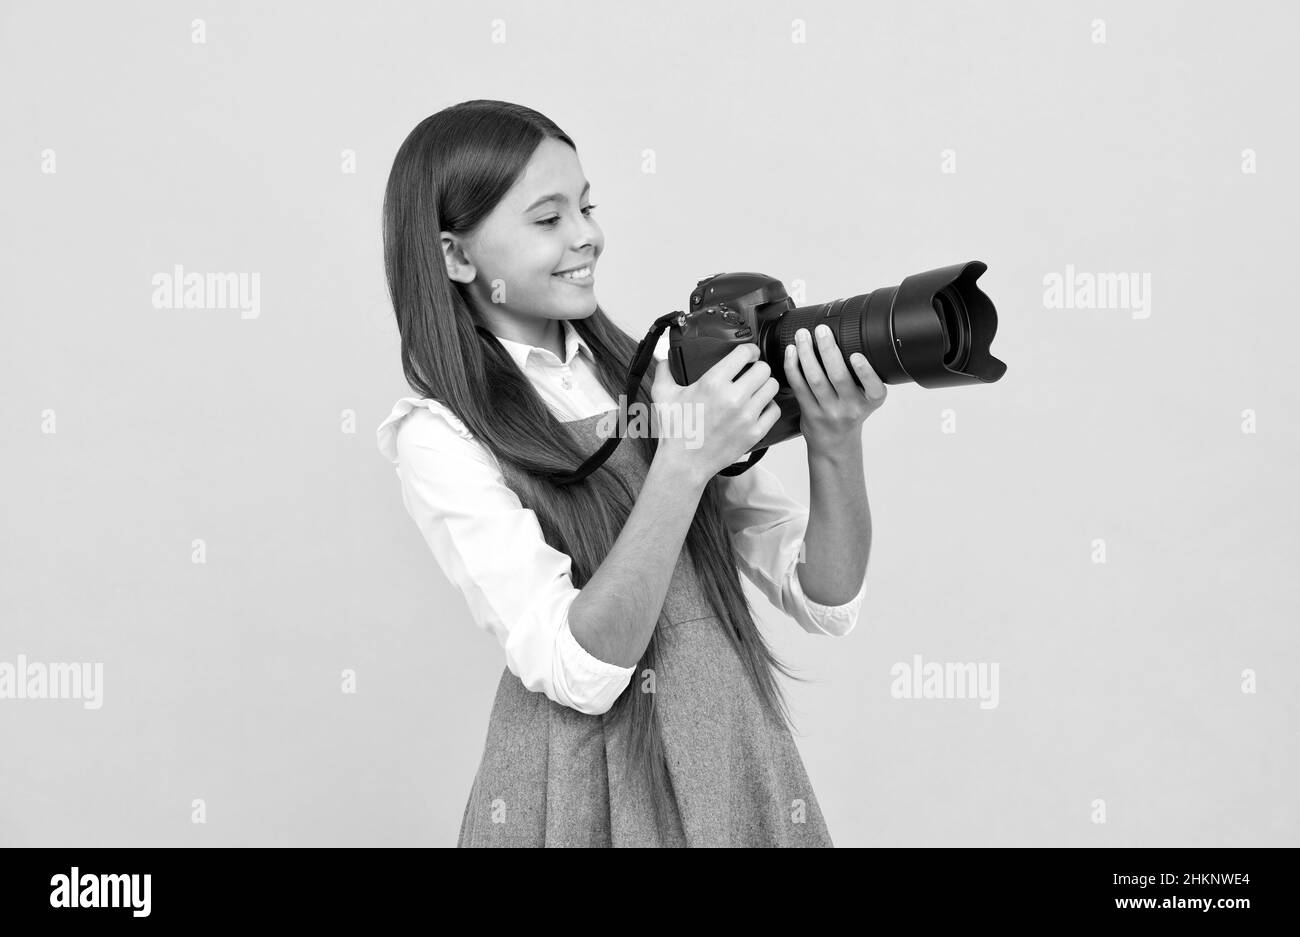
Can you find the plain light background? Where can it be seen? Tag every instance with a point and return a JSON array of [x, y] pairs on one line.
[[821, 161]]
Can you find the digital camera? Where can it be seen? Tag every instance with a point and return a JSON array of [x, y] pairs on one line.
[[933, 329]]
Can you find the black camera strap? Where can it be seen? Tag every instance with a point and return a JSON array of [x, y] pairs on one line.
[[640, 362]]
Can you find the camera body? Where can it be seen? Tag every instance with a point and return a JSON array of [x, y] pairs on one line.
[[727, 310], [933, 329]]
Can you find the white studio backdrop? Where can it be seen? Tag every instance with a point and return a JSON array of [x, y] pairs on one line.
[[193, 499]]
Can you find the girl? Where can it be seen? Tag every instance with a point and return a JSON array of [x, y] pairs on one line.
[[639, 705]]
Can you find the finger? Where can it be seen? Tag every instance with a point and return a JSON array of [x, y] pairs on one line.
[[798, 386], [872, 385], [761, 398], [730, 365], [813, 374], [755, 375], [833, 361], [767, 419]]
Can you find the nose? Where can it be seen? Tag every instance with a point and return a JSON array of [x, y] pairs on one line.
[[588, 233]]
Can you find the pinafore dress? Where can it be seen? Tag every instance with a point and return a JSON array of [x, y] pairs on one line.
[[553, 776]]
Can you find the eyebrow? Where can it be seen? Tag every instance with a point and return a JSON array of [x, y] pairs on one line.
[[555, 197]]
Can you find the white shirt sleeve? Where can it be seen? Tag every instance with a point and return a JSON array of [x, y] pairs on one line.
[[517, 586], [768, 528]]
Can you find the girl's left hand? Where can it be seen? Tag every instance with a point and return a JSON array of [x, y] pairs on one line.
[[832, 407]]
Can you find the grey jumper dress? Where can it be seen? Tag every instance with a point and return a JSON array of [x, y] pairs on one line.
[[553, 776]]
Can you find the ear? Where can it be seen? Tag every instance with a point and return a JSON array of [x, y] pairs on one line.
[[459, 267]]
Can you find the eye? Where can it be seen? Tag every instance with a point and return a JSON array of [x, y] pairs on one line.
[[550, 222]]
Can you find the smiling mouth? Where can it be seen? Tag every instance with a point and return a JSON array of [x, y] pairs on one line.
[[580, 275]]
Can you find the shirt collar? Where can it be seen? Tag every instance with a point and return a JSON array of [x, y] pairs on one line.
[[573, 343]]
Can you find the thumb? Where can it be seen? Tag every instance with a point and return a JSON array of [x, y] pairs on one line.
[[663, 380]]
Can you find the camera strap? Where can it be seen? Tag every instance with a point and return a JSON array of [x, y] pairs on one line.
[[640, 362]]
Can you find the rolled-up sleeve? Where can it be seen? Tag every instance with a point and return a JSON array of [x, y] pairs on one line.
[[767, 529], [517, 586]]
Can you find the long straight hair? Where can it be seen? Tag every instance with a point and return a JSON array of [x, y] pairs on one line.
[[448, 175]]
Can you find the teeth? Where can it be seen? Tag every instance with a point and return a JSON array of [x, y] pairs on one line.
[[580, 274]]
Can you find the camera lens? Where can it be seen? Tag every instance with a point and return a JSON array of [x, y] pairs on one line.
[[935, 328], [955, 323]]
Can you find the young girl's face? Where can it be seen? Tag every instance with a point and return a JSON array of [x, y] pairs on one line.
[[543, 225]]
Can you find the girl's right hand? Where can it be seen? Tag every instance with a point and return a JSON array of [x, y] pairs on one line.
[[706, 426]]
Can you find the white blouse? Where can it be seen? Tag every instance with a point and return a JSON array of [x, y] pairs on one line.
[[517, 586]]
